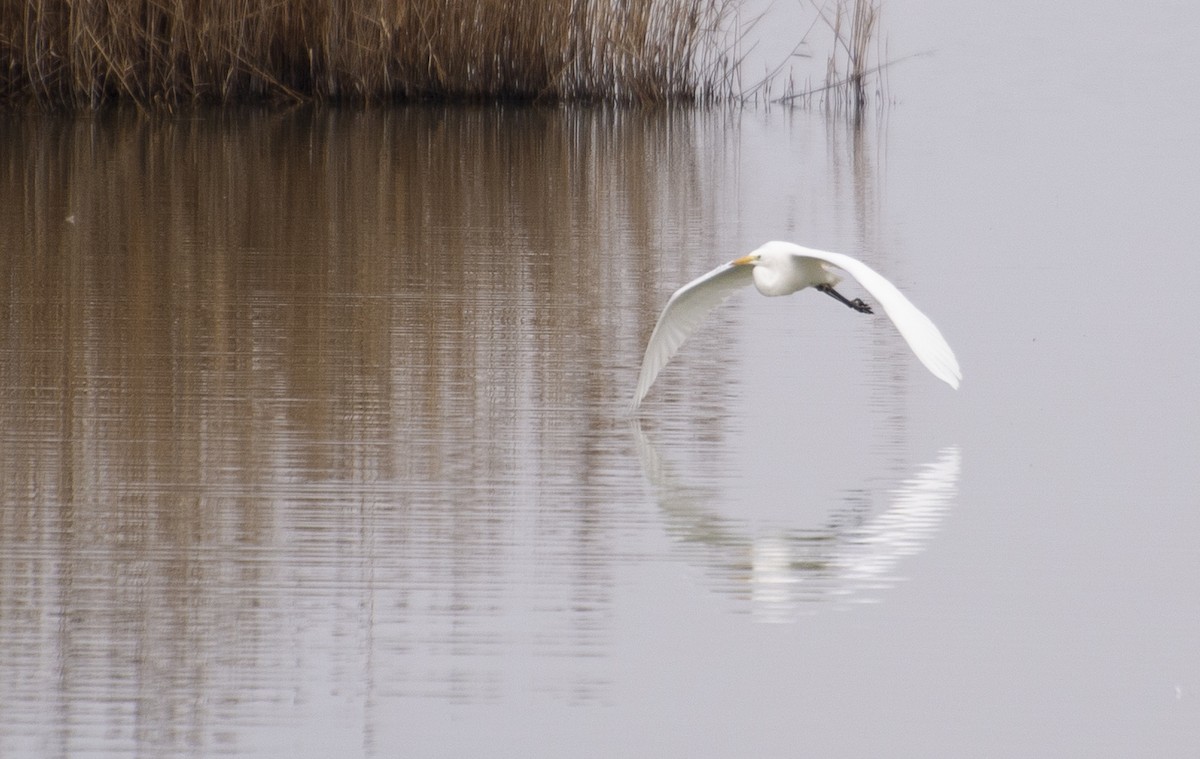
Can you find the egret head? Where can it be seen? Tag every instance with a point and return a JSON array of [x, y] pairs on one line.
[[779, 271]]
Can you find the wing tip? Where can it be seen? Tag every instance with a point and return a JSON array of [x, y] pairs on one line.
[[951, 375]]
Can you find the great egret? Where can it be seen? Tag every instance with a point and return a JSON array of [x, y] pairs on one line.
[[782, 268]]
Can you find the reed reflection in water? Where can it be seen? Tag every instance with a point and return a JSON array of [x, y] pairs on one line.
[[317, 393], [301, 413]]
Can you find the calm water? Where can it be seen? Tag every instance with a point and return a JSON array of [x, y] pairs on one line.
[[314, 441]]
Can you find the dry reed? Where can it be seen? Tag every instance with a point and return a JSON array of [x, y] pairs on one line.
[[84, 53], [847, 70]]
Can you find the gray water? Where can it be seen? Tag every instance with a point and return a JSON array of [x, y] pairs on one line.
[[315, 441]]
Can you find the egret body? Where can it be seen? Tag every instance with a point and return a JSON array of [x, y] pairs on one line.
[[782, 268]]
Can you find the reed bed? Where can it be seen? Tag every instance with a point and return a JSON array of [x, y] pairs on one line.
[[84, 53]]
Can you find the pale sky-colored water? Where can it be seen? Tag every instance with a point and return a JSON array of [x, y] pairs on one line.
[[314, 438]]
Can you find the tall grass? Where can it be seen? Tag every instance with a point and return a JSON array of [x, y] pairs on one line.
[[848, 69], [88, 52], [853, 29]]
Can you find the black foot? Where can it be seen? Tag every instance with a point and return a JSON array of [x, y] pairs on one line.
[[857, 304]]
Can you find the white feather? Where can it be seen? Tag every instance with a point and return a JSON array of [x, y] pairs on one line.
[[781, 268]]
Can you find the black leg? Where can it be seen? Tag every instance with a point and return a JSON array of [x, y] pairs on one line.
[[857, 304]]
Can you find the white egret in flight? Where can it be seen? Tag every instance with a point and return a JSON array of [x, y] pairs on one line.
[[782, 268]]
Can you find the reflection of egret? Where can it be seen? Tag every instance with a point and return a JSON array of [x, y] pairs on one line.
[[849, 559], [782, 268]]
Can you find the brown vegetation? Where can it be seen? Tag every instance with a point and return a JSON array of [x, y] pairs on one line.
[[89, 52]]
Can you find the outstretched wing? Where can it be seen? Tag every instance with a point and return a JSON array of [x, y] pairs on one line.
[[683, 313], [916, 328]]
